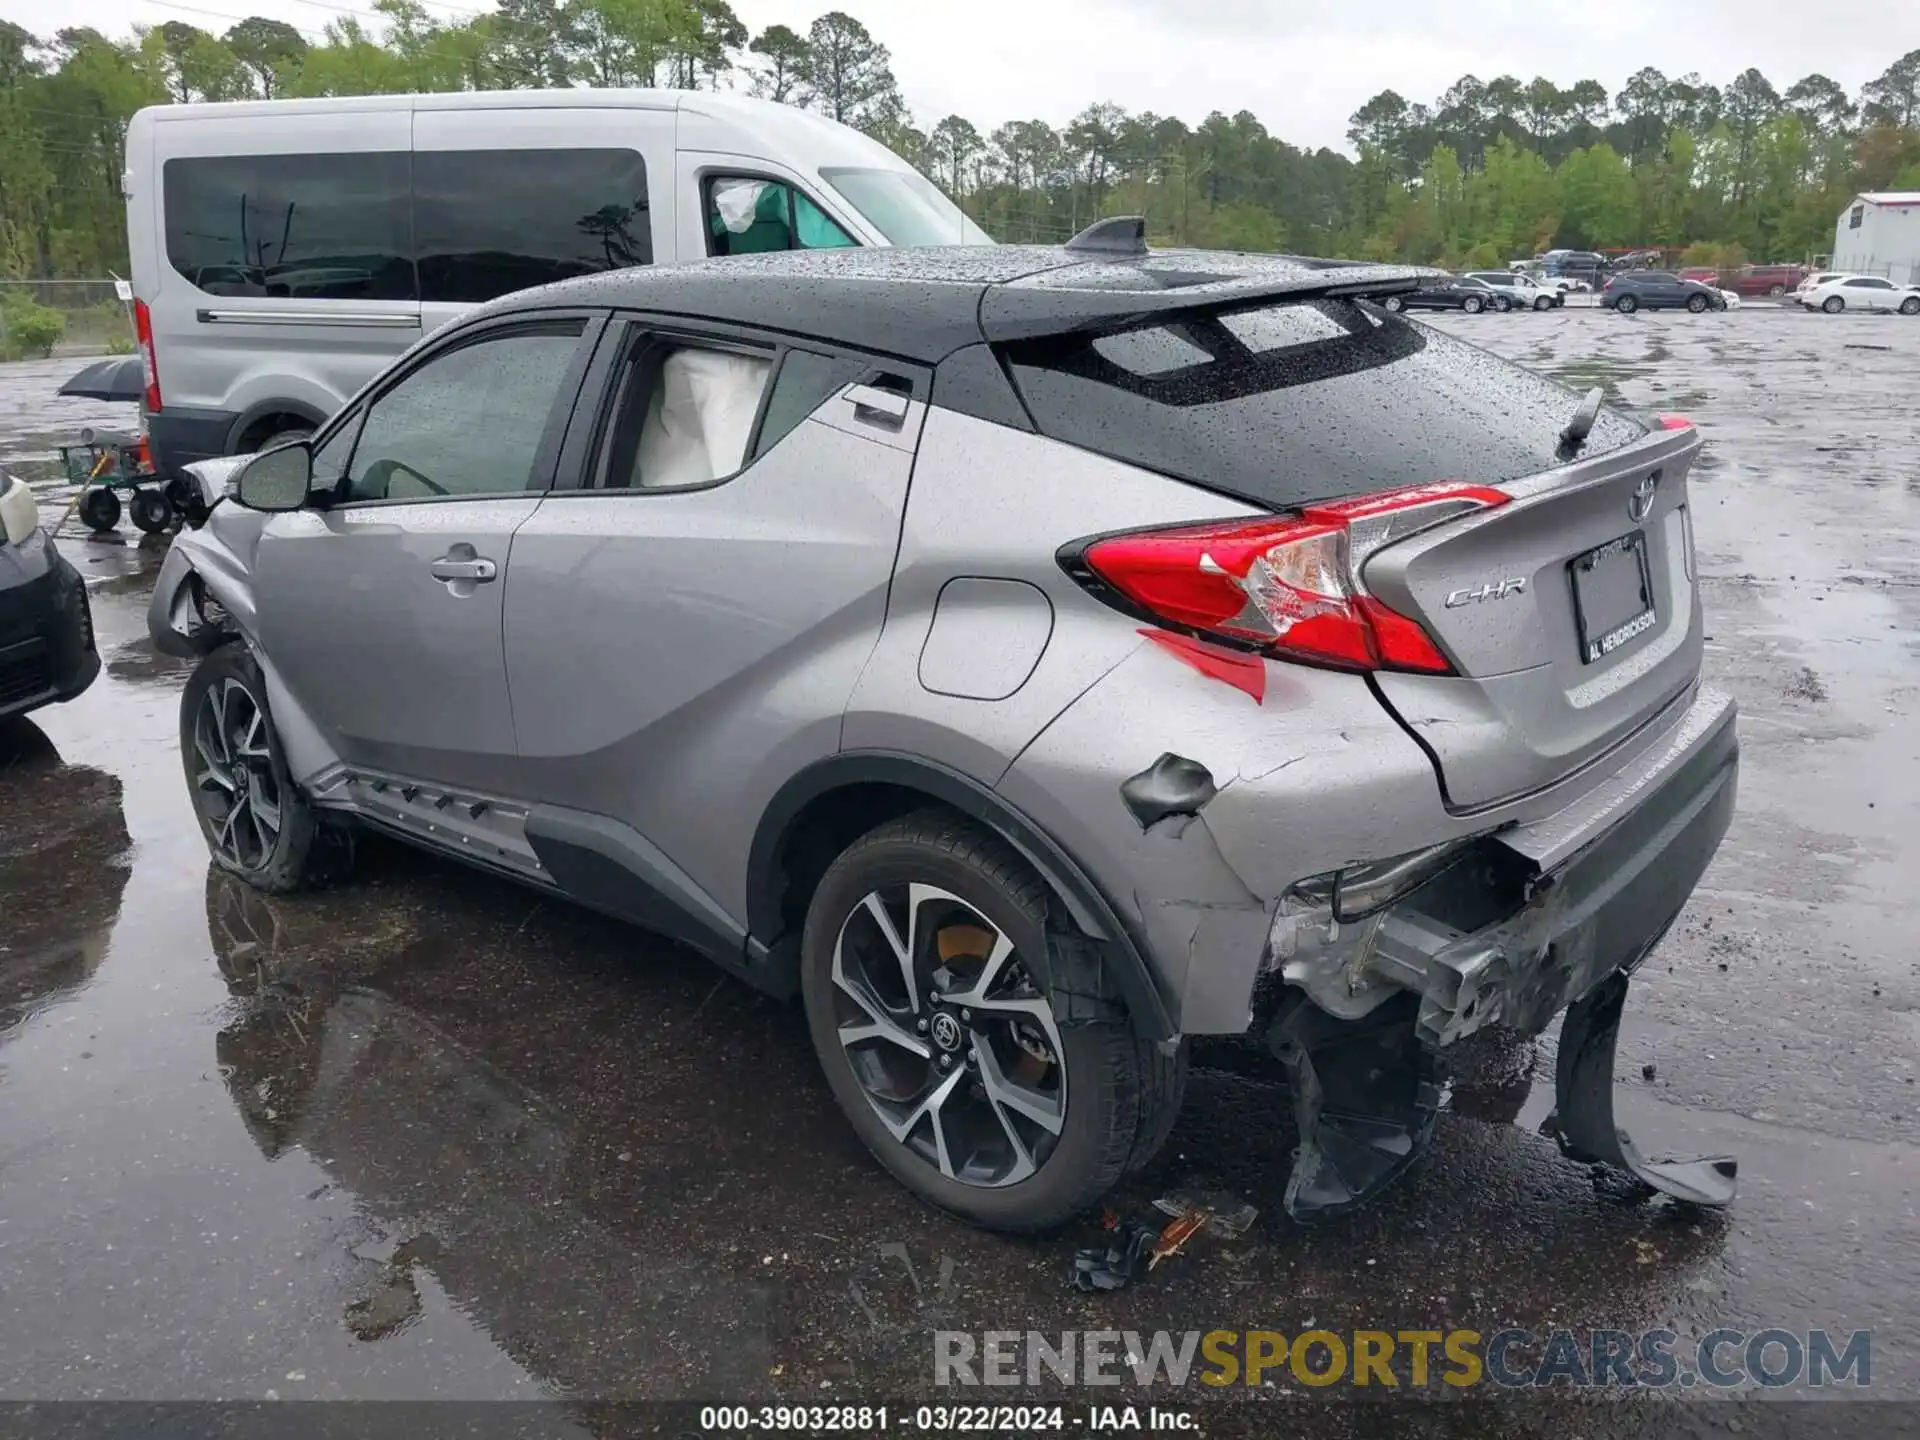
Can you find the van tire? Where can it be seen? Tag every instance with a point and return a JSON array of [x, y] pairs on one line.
[[285, 435]]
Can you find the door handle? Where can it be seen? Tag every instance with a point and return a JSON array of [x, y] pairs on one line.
[[876, 406], [479, 570]]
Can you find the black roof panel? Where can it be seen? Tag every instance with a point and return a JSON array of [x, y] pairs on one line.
[[923, 304]]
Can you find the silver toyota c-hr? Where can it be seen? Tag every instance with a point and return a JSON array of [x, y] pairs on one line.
[[1032, 657]]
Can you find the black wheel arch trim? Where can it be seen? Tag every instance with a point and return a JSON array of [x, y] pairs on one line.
[[768, 937]]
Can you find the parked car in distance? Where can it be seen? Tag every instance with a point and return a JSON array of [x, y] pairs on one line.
[[1705, 274], [1817, 277], [47, 649], [1523, 290], [1860, 292], [1658, 290], [1587, 265], [1775, 280], [1445, 294], [932, 756], [1499, 297]]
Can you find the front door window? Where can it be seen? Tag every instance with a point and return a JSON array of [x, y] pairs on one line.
[[751, 215]]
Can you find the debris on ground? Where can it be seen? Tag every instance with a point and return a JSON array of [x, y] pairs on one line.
[[1117, 1263]]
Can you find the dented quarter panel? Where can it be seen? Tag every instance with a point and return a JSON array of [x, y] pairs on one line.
[[1204, 889]]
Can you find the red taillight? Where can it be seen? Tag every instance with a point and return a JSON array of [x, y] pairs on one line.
[[1287, 585], [149, 365], [1673, 422]]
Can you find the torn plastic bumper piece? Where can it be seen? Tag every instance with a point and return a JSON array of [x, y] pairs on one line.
[[1582, 1120], [1365, 1096]]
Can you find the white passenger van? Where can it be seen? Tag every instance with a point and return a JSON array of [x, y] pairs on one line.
[[283, 251]]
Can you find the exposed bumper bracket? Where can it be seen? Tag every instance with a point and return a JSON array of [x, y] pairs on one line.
[[1582, 1120]]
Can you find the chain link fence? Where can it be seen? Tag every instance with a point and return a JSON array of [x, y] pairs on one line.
[[39, 318]]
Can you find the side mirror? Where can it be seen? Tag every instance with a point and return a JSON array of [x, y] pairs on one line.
[[276, 479]]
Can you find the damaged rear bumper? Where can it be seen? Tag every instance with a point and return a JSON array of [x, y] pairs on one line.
[[1532, 918]]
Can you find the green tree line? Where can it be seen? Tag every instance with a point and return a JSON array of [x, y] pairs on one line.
[[1488, 171]]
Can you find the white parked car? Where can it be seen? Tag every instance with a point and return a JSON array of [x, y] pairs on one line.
[[1861, 292], [1732, 297]]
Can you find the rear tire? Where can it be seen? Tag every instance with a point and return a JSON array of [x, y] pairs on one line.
[[100, 510], [1833, 305], [1696, 304], [1626, 305], [1393, 302], [150, 511], [954, 891], [256, 823]]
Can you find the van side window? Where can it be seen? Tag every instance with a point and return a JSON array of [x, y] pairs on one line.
[[748, 215], [489, 222], [310, 227]]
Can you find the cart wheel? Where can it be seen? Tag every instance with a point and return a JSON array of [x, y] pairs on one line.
[[100, 509], [152, 512]]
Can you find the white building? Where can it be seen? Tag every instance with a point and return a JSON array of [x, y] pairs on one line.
[[1879, 234]]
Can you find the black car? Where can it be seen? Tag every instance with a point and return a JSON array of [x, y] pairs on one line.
[[1587, 265], [1449, 295], [47, 650], [1659, 290]]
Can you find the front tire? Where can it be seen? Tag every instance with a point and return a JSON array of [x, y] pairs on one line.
[[1910, 305], [1543, 302], [1776, 291], [1833, 305], [256, 823], [1473, 305], [1696, 304], [922, 969]]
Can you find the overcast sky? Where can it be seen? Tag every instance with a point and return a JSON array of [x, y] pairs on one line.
[[1302, 66]]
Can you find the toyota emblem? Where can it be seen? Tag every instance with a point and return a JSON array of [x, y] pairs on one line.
[[1640, 503], [946, 1031]]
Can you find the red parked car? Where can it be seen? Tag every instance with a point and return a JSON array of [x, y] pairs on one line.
[[1705, 274], [1773, 280]]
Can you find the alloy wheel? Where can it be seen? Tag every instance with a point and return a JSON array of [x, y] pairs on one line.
[[234, 784], [948, 1035]]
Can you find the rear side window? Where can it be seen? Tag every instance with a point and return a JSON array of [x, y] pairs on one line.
[[319, 227], [489, 222], [802, 386], [1285, 403]]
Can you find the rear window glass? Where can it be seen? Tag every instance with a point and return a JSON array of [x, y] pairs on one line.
[[1307, 400]]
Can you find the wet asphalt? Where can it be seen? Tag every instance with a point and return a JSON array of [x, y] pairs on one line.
[[428, 1136]]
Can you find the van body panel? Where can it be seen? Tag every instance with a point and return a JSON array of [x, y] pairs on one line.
[[249, 340]]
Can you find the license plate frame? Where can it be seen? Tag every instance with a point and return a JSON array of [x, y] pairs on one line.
[[1601, 634]]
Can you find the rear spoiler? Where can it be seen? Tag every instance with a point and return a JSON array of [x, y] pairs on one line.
[[1117, 284]]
